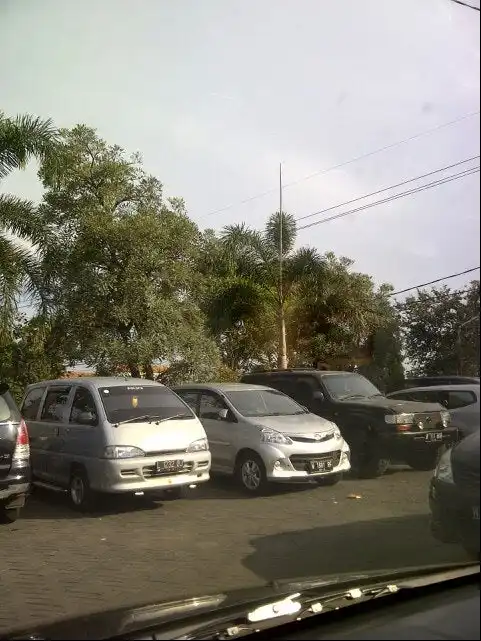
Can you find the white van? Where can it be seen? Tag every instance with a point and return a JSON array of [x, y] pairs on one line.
[[113, 435]]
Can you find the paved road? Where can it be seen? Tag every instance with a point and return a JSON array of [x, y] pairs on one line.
[[56, 563]]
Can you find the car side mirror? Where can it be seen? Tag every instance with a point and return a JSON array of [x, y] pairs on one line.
[[223, 414], [318, 396], [86, 418]]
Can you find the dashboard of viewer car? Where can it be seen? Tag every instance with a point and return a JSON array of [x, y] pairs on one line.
[[440, 613]]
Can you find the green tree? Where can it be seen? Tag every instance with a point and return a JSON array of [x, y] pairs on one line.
[[21, 138], [440, 330], [119, 276], [266, 271], [35, 352], [341, 315]]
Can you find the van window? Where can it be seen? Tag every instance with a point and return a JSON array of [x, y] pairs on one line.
[[31, 403], [54, 405], [83, 402], [126, 402]]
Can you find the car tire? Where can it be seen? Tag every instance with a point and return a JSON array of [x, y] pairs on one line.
[[329, 481], [370, 463], [9, 515], [79, 492], [424, 460], [250, 473]]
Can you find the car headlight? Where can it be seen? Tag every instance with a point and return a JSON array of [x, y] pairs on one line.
[[337, 432], [122, 451], [445, 418], [271, 436], [444, 470], [200, 445]]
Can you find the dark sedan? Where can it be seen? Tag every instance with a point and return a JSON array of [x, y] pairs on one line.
[[454, 496]]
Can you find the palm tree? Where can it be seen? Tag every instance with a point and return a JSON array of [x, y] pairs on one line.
[[267, 261], [21, 138]]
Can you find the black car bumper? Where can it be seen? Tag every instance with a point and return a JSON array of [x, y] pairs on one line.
[[398, 446], [15, 487], [454, 514]]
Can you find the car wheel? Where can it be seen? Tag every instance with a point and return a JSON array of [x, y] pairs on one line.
[[424, 460], [370, 463], [79, 492], [251, 473], [329, 481], [9, 515]]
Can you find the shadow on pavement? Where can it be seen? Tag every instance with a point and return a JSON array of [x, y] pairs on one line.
[[366, 545], [53, 505]]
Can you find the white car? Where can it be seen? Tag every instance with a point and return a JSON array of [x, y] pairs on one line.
[[262, 435]]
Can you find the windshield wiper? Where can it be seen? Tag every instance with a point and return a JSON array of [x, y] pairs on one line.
[[310, 598], [150, 418]]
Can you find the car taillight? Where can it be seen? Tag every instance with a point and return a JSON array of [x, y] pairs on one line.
[[403, 428], [22, 445]]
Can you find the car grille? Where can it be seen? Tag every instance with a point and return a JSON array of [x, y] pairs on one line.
[[309, 438], [166, 452], [428, 420], [300, 462]]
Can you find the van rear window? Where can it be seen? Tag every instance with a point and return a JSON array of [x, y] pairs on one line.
[[125, 402]]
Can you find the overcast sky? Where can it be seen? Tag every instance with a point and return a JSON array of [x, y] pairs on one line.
[[215, 93]]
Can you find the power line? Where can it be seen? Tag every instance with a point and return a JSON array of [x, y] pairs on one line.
[[408, 192], [432, 282], [345, 163], [379, 191], [465, 4]]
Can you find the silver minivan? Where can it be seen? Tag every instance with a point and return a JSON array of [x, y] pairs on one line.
[[262, 436], [113, 435]]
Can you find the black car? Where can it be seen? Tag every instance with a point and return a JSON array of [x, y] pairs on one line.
[[379, 430], [454, 496], [14, 458]]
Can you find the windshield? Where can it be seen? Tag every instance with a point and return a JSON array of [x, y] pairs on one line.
[[264, 402], [8, 409], [125, 403], [346, 385]]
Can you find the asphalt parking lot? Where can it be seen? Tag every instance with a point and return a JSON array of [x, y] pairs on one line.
[[55, 563]]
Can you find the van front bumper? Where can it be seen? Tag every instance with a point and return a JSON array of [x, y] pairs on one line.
[[121, 476]]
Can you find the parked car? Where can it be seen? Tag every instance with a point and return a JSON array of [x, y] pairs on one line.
[[462, 402], [95, 434], [378, 429], [14, 458], [454, 495], [262, 436], [428, 381]]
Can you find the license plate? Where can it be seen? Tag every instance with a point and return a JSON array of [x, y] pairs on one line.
[[174, 465], [475, 512], [322, 465], [433, 436]]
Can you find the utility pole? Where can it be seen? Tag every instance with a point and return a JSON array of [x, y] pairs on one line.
[[282, 356]]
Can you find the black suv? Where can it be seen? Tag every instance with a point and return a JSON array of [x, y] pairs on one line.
[[379, 430], [14, 458]]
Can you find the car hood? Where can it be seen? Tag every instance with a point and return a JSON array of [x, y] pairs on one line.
[[395, 405], [166, 436], [294, 424], [125, 621]]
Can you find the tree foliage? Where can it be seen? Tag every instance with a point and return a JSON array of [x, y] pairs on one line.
[[118, 275], [441, 331]]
